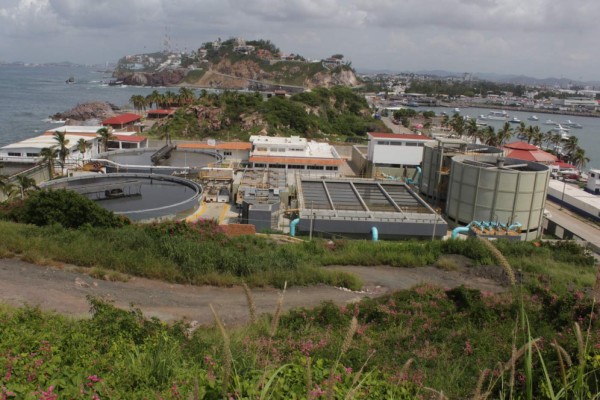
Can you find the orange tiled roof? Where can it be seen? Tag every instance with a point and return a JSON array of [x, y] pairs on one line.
[[296, 160], [218, 146]]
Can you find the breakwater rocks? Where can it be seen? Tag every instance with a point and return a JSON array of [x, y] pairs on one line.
[[95, 110]]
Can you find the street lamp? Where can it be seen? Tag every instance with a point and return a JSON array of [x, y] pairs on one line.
[[562, 199]]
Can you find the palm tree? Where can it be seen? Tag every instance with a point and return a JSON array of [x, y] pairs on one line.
[[186, 96], [154, 98], [488, 136], [571, 145], [63, 151], [139, 102], [472, 128], [537, 137], [504, 134], [579, 159], [458, 124], [25, 183], [522, 130], [445, 121], [83, 146], [105, 136], [48, 155], [170, 98]]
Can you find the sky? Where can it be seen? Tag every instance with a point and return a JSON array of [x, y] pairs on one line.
[[539, 38]]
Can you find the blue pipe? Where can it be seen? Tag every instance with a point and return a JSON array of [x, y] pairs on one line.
[[515, 226], [460, 229], [293, 226], [374, 234]]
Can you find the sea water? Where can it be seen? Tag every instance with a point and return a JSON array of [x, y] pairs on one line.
[[588, 136], [29, 95]]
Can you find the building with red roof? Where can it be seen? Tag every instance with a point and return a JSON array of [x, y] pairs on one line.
[[127, 142], [528, 152], [158, 114], [122, 121]]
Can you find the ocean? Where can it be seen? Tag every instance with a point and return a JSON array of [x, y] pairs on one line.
[[29, 95], [588, 135]]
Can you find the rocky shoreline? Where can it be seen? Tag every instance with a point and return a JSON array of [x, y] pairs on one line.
[[95, 110]]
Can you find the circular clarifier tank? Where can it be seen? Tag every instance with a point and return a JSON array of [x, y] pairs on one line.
[[140, 197], [141, 160]]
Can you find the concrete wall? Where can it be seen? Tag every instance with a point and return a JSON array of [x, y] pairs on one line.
[[362, 228], [358, 161]]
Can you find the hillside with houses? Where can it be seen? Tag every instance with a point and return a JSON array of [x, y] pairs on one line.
[[235, 64]]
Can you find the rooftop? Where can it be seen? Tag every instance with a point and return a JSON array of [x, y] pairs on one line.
[[398, 136], [122, 119], [217, 146]]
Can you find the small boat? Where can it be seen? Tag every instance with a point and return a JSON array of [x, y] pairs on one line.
[[482, 117], [533, 118], [70, 81], [515, 120], [570, 124], [550, 122], [457, 110], [559, 129], [497, 115]]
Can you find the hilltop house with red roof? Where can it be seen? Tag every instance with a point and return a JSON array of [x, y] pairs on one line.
[[123, 121]]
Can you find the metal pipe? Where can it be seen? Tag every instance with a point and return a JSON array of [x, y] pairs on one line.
[[374, 234], [293, 226]]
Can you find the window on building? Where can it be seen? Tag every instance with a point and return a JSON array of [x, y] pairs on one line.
[[13, 154], [294, 166], [330, 168], [227, 153], [261, 149], [127, 145], [315, 167], [259, 165], [33, 154], [397, 143], [383, 142], [412, 144], [113, 145]]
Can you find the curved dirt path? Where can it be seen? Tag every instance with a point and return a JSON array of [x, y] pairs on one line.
[[64, 290]]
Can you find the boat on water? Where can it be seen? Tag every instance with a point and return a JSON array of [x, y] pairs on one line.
[[570, 124], [70, 81], [457, 110], [497, 115], [515, 120], [550, 122], [560, 129], [533, 118]]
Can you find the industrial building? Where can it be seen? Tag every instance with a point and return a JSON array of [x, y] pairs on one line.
[[498, 190], [294, 153], [259, 195], [395, 154], [363, 208], [437, 161]]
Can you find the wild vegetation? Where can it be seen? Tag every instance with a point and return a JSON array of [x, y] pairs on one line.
[[337, 114], [539, 339]]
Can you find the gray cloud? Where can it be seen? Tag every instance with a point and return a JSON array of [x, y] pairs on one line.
[[536, 37]]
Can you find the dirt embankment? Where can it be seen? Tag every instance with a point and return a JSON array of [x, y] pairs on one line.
[[65, 289]]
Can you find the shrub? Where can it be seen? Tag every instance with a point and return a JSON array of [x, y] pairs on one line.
[[66, 208]]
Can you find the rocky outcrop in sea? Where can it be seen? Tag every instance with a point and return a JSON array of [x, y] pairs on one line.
[[96, 110]]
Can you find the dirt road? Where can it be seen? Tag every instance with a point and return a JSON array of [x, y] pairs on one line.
[[64, 290]]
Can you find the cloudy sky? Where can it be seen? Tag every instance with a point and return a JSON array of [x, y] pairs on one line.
[[540, 38]]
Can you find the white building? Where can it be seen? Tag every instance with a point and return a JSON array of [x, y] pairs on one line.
[[576, 102], [231, 151], [28, 150], [293, 153], [396, 150], [593, 182]]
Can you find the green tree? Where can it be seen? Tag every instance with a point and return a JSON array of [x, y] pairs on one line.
[[579, 159], [139, 102], [504, 134], [63, 150], [64, 207], [83, 146], [48, 155], [24, 183], [105, 136], [154, 98], [186, 96]]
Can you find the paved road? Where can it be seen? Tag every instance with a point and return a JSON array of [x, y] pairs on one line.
[[586, 230]]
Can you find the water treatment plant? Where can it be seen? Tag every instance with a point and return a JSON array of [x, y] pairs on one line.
[[140, 197]]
